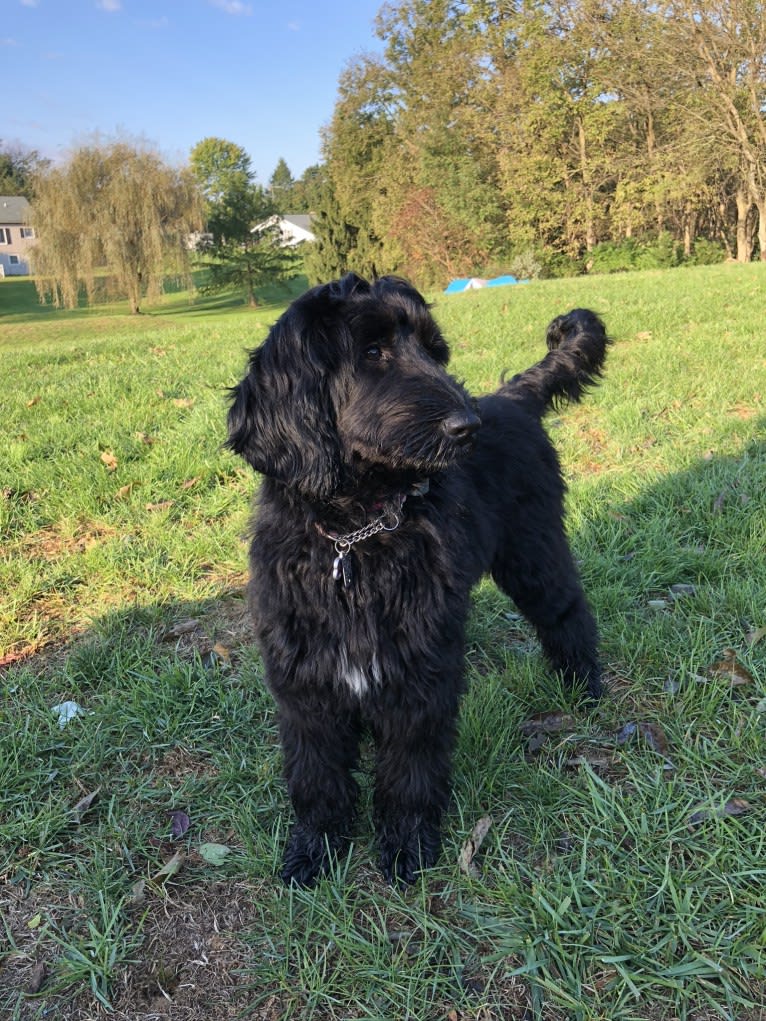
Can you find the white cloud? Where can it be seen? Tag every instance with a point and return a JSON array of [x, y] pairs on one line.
[[109, 5], [233, 6], [293, 26], [29, 3], [154, 23]]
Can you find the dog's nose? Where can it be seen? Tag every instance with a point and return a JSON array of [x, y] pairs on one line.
[[461, 425]]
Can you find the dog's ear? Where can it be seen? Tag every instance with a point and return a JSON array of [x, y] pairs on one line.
[[282, 415]]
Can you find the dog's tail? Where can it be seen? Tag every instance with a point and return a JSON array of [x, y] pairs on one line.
[[577, 344]]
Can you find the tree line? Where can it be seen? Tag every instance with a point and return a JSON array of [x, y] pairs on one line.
[[560, 134], [115, 220], [541, 138]]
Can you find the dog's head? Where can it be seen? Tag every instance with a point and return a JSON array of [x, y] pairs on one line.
[[351, 377]]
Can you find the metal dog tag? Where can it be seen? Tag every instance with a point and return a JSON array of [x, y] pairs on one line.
[[342, 568]]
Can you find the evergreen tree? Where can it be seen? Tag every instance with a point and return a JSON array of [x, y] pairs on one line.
[[281, 186], [246, 250]]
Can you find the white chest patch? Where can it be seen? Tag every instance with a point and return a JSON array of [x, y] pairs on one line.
[[358, 678]]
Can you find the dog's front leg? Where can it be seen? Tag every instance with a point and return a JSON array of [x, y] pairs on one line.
[[320, 748], [412, 786]]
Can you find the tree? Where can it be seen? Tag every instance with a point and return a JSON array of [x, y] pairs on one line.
[[328, 256], [281, 184], [114, 206], [246, 250], [719, 50], [356, 145], [18, 166], [232, 199], [257, 258], [305, 191]]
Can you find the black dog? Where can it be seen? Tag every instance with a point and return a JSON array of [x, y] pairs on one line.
[[388, 492]]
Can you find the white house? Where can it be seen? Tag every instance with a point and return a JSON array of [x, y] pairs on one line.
[[16, 236], [293, 228]]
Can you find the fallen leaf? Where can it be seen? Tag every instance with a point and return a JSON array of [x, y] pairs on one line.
[[35, 400], [594, 758], [179, 823], [170, 868], [146, 438], [35, 921], [552, 722], [83, 805], [677, 591], [181, 627], [733, 807], [214, 854], [743, 411], [109, 460], [162, 505], [190, 483], [217, 656], [183, 402], [652, 733], [17, 655], [471, 847], [137, 893], [729, 667], [36, 979], [124, 491], [658, 604], [755, 636]]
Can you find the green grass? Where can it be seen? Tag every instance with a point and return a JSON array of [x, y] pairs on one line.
[[619, 880]]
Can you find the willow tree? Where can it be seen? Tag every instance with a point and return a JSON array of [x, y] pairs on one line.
[[116, 218]]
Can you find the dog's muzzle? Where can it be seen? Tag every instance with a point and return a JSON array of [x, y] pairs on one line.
[[460, 426]]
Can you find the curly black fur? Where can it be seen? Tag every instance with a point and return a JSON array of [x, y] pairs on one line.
[[348, 411]]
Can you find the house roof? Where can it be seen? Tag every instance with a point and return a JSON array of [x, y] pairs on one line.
[[14, 209], [302, 220]]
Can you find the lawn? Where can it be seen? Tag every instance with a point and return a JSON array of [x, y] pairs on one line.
[[623, 870]]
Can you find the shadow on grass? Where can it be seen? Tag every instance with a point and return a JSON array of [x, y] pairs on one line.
[[181, 723], [19, 303]]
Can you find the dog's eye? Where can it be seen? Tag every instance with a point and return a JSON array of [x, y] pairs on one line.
[[373, 353]]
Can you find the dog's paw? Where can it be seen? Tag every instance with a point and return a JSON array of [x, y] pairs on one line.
[[594, 690], [307, 856], [401, 861]]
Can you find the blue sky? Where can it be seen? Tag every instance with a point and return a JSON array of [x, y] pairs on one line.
[[261, 74]]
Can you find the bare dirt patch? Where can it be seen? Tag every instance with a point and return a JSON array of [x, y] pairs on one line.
[[190, 962]]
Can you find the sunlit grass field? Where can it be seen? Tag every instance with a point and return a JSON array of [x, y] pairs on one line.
[[623, 872]]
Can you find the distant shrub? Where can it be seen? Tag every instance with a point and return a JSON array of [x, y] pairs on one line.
[[614, 256], [662, 252], [556, 265], [706, 253], [526, 266]]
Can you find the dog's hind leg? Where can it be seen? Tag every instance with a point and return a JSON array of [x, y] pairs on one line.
[[547, 590], [321, 749]]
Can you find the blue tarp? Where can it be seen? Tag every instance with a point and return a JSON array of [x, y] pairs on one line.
[[473, 283], [502, 281], [456, 286]]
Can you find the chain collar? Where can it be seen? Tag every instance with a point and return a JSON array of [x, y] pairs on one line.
[[388, 521]]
